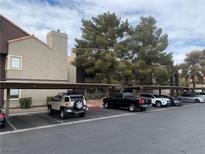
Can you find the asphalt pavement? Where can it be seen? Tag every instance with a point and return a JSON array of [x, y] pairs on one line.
[[177, 130]]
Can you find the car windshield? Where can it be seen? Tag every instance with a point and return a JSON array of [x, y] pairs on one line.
[[67, 99], [157, 96], [127, 94], [200, 93]]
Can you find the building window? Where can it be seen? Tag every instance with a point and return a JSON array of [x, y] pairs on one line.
[[15, 62], [14, 93]]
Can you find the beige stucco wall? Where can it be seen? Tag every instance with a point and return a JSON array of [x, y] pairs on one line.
[[38, 96], [71, 73], [40, 63]]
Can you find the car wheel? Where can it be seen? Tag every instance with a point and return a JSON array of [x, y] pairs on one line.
[[196, 101], [62, 114], [82, 114], [132, 108], [106, 105], [50, 110], [158, 104]]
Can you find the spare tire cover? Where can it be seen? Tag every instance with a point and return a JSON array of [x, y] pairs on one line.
[[78, 104]]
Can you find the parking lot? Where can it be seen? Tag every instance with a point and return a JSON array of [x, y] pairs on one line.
[[41, 120]]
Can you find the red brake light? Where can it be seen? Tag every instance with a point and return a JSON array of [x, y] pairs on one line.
[[140, 101], [2, 116]]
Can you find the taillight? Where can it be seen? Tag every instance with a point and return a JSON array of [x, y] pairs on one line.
[[2, 116], [140, 101]]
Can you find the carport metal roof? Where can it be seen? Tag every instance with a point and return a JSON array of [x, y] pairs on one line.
[[47, 85], [148, 87]]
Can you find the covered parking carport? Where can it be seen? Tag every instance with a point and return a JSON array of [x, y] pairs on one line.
[[39, 85], [141, 89]]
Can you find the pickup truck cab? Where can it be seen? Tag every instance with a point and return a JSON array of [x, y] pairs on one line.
[[126, 100], [157, 100], [66, 103]]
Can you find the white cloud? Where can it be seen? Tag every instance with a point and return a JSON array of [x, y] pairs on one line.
[[183, 20]]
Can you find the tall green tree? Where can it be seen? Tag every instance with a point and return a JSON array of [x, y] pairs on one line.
[[194, 67], [147, 44], [98, 50]]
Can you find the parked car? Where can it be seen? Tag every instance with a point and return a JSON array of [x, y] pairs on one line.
[[2, 119], [68, 103], [157, 100], [174, 101], [127, 100], [191, 98], [201, 95]]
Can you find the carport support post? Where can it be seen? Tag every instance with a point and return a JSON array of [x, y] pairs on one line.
[[7, 102], [160, 91]]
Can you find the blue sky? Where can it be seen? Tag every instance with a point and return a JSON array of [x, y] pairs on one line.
[[182, 20]]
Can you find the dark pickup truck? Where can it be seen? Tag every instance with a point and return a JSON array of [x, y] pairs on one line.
[[126, 100]]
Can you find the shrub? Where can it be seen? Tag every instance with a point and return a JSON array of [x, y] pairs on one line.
[[49, 98], [25, 103]]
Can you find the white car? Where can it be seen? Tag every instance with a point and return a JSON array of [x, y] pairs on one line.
[[201, 95], [191, 98], [157, 100]]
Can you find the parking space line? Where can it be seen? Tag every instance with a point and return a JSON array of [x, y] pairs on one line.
[[59, 121], [11, 124], [66, 123]]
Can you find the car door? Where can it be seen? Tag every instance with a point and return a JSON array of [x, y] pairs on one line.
[[57, 102], [116, 100]]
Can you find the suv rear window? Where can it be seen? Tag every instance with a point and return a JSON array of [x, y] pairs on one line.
[[67, 99], [73, 98]]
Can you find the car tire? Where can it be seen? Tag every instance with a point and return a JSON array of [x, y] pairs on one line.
[[62, 113], [196, 101], [82, 114], [132, 108], [106, 105], [158, 104], [50, 110]]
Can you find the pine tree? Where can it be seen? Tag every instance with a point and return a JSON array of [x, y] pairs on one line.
[[98, 50]]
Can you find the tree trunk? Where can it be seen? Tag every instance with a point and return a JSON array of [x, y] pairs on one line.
[[193, 81]]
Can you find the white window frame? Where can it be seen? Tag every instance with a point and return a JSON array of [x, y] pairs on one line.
[[19, 91], [13, 99], [9, 62]]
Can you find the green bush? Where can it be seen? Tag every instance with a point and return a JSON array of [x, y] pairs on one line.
[[25, 103], [49, 98]]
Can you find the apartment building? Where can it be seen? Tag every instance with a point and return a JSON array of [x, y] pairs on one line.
[[23, 57]]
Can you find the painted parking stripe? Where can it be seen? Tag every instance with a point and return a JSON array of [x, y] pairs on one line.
[[66, 123], [11, 124]]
